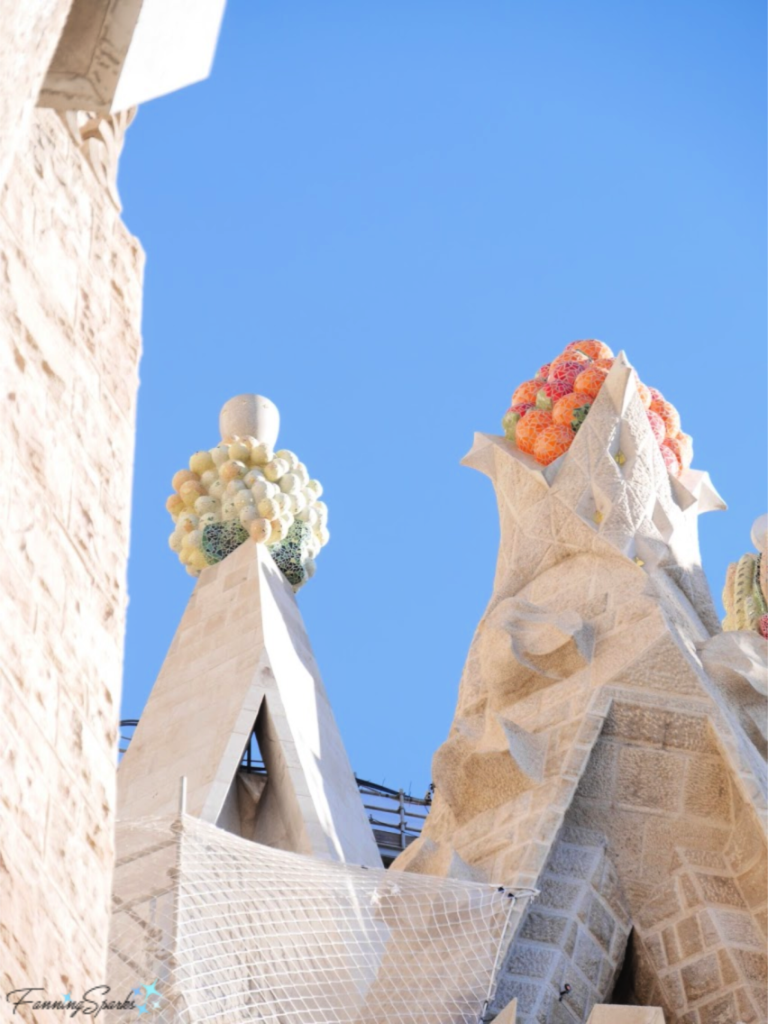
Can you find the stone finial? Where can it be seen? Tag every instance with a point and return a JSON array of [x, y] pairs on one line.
[[588, 499], [745, 595], [250, 416], [759, 533]]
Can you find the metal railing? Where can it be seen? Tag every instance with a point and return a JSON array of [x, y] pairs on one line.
[[401, 825], [126, 732], [251, 762]]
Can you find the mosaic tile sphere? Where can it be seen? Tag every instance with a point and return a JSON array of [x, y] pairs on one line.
[[241, 489]]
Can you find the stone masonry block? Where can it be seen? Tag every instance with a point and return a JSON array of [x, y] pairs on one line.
[[589, 957], [654, 947], [690, 893], [728, 972], [689, 934], [529, 961], [721, 1010], [754, 965], [544, 927], [572, 861], [746, 1008], [650, 779], [739, 929], [720, 890], [701, 978], [601, 924], [708, 791], [672, 987], [597, 781], [753, 885], [671, 946], [709, 932], [665, 904]]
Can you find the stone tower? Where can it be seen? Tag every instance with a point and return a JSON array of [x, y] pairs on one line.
[[606, 748], [241, 666], [70, 318]]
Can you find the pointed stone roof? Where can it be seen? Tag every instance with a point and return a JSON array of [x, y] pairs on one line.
[[610, 493]]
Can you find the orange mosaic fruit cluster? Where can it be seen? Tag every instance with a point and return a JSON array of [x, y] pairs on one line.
[[546, 412]]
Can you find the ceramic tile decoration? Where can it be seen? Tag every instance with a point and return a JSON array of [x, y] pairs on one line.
[[547, 411], [243, 488]]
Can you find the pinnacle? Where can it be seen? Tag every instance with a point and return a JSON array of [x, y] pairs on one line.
[[612, 478]]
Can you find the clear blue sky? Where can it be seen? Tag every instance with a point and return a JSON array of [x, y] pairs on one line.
[[385, 216]]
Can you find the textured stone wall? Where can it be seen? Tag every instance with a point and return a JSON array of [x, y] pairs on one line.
[[608, 746], [29, 34], [574, 934], [658, 839], [70, 296]]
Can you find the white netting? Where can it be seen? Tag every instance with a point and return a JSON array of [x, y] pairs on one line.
[[230, 931]]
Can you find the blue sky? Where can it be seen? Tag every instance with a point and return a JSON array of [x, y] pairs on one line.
[[384, 216]]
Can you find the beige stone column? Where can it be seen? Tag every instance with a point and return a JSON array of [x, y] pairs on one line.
[[70, 310]]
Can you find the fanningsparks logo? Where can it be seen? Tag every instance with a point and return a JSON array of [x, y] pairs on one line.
[[144, 999]]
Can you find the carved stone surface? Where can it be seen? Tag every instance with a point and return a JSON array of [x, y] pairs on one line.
[[100, 139], [70, 312], [241, 660], [594, 752], [30, 32], [70, 317], [115, 54], [745, 595]]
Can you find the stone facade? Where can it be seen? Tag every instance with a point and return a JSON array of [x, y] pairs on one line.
[[609, 746], [30, 35], [70, 306], [606, 749]]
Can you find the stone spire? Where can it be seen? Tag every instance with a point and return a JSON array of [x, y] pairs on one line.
[[240, 670], [592, 753]]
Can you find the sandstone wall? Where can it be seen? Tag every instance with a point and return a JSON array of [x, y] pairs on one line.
[[70, 298], [29, 34]]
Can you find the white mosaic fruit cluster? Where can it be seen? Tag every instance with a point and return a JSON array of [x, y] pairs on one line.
[[242, 481]]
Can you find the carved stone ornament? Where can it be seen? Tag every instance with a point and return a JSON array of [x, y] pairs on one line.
[[100, 139], [608, 744]]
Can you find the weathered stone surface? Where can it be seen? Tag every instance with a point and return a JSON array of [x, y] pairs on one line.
[[113, 56], [70, 306], [626, 1015], [632, 788], [222, 685], [30, 32], [701, 978]]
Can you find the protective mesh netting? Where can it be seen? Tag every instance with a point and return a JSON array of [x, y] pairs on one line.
[[222, 929]]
